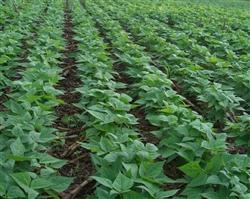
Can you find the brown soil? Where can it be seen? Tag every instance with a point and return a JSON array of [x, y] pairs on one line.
[[234, 149], [171, 170], [145, 127], [79, 163]]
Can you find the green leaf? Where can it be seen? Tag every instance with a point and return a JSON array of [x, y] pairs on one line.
[[214, 179], [18, 158], [214, 164], [119, 105], [166, 194], [193, 193], [4, 181], [134, 195], [103, 181], [191, 169], [106, 144], [152, 170], [15, 192], [162, 120], [23, 180], [199, 180], [103, 194], [17, 147], [15, 107], [40, 183], [4, 59], [122, 183], [211, 195], [52, 161], [133, 168], [17, 131], [60, 183], [52, 194], [105, 117], [151, 188]]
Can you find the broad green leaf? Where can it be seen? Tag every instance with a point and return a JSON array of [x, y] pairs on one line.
[[103, 116], [40, 183], [4, 59], [199, 180], [103, 194], [103, 181], [23, 179], [192, 169], [15, 192], [122, 183], [166, 194], [60, 183], [17, 147], [16, 107], [152, 170], [133, 168], [215, 163], [134, 195], [214, 179]]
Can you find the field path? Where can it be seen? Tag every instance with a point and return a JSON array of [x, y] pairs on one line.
[[79, 163]]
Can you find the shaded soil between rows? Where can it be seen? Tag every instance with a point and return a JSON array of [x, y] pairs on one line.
[[79, 163]]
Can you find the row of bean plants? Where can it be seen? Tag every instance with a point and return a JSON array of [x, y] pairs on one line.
[[185, 137], [26, 168]]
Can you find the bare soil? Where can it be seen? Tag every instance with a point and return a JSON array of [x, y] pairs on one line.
[[79, 163]]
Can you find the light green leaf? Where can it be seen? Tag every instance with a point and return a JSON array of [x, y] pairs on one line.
[[166, 194], [105, 117], [23, 180], [40, 183], [4, 59], [15, 192], [60, 183], [191, 169], [103, 181], [17, 147], [122, 183]]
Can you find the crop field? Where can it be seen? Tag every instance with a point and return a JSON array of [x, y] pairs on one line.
[[124, 99]]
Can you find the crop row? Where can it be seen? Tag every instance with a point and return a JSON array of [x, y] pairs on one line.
[[125, 167], [223, 56], [217, 102], [9, 11], [26, 168], [120, 71], [11, 37], [227, 71], [198, 16], [184, 136]]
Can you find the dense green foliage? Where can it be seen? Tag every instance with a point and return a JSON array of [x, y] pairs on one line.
[[185, 136], [27, 113], [184, 66]]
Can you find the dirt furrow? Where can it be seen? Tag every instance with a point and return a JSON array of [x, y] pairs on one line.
[[79, 163]]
